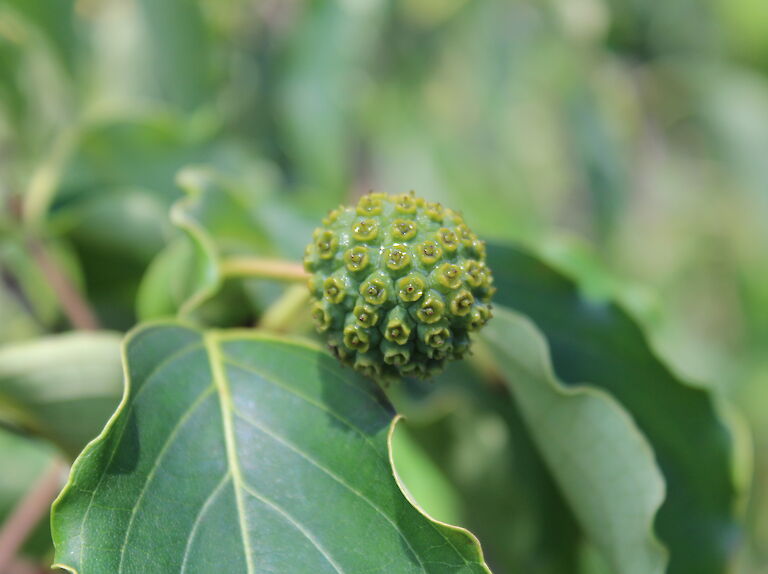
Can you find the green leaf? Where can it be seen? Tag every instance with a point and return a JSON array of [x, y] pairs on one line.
[[178, 51], [695, 449], [327, 51], [222, 217], [18, 322], [172, 279], [602, 462], [56, 23], [238, 452], [423, 480], [116, 186], [168, 281], [26, 283], [61, 387], [598, 157], [472, 430], [140, 151]]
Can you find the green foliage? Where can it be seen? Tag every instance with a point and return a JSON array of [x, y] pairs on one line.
[[592, 342], [602, 462], [61, 387], [153, 154], [265, 454]]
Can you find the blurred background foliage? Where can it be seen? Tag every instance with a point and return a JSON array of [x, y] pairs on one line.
[[625, 140]]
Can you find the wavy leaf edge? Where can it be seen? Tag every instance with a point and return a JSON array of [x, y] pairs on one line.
[[179, 216], [413, 502], [229, 333], [544, 359], [742, 456]]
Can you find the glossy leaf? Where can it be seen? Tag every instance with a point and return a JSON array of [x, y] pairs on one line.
[[600, 344], [238, 452], [603, 464], [61, 387]]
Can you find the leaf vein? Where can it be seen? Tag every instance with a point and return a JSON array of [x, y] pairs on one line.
[[276, 382], [199, 518], [332, 475], [156, 465], [225, 399], [127, 412], [297, 525]]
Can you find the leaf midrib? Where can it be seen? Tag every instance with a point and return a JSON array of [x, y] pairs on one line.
[[221, 359], [225, 400], [218, 361]]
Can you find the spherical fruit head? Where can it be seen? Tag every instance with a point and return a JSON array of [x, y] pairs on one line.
[[398, 284]]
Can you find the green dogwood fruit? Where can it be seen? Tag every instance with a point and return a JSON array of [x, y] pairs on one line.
[[398, 285]]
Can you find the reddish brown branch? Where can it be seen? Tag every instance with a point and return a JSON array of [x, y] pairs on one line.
[[75, 307], [28, 513]]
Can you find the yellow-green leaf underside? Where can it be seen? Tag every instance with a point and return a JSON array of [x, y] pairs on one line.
[[601, 461]]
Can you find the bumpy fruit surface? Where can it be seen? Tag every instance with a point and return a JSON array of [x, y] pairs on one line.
[[398, 284]]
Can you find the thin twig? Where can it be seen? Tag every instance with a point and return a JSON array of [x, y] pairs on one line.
[[28, 513], [26, 566], [75, 307], [264, 269]]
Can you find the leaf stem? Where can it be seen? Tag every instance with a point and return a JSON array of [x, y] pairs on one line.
[[73, 304], [276, 269]]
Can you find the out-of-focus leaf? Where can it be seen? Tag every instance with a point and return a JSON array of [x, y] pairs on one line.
[[733, 105], [25, 461], [18, 322], [36, 65], [178, 52], [56, 23], [745, 24], [599, 161], [329, 52], [116, 234], [168, 282], [26, 283], [472, 431], [600, 344], [267, 456], [222, 217], [172, 279], [117, 186], [423, 481], [61, 387], [601, 461], [128, 223], [141, 151], [12, 103]]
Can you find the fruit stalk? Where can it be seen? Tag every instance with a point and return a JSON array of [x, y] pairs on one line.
[[276, 269]]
